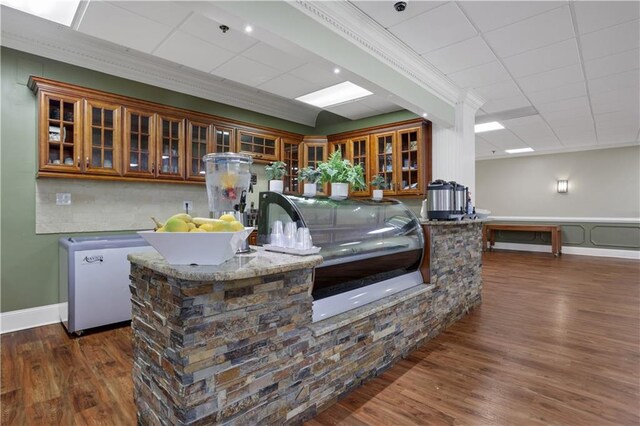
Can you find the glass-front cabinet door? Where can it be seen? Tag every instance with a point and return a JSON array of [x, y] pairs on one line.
[[314, 153], [261, 147], [291, 157], [60, 118], [408, 161], [139, 142], [223, 139], [359, 154], [342, 146], [170, 147], [102, 140], [383, 165], [198, 145]]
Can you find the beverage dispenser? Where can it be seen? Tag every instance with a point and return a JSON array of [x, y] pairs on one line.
[[228, 176]]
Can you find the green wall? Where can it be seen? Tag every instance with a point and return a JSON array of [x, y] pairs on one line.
[[328, 123], [29, 275]]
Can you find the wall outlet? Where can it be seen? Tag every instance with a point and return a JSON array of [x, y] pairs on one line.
[[187, 206], [63, 199]]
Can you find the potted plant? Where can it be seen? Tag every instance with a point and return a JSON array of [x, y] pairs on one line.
[[311, 177], [379, 183], [275, 172], [340, 174]]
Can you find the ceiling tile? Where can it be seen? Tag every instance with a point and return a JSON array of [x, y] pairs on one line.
[[551, 79], [482, 75], [596, 15], [617, 100], [384, 13], [164, 12], [506, 104], [484, 148], [618, 118], [579, 140], [610, 40], [555, 121], [629, 80], [246, 71], [352, 110], [289, 86], [272, 57], [503, 139], [616, 134], [529, 129], [207, 30], [462, 55], [565, 132], [555, 118], [192, 52], [502, 90], [538, 31], [546, 58], [120, 26], [318, 73], [567, 104], [434, 29], [545, 143], [613, 64], [489, 15], [567, 91]]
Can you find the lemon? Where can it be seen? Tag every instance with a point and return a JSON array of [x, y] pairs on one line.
[[176, 225], [228, 218], [207, 227], [236, 226], [191, 226], [197, 230]]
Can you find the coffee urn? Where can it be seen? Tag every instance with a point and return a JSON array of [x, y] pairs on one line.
[[440, 200], [459, 198]]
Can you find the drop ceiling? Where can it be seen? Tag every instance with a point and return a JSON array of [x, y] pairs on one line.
[[574, 66]]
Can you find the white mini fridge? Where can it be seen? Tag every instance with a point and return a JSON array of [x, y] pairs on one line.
[[94, 280]]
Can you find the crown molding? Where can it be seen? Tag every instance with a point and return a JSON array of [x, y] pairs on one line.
[[37, 36], [346, 19]]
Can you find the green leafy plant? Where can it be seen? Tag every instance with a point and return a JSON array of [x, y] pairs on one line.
[[276, 170], [309, 174], [379, 182], [337, 170]]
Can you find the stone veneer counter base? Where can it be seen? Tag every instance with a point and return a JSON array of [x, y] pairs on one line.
[[214, 346]]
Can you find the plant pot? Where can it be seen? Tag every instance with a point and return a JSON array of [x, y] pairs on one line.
[[377, 194], [276, 186], [310, 189], [339, 191]]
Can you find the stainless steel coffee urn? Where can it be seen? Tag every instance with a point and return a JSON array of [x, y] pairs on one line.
[[459, 198], [440, 200]]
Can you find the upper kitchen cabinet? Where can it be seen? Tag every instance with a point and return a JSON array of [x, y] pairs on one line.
[[139, 142], [262, 147], [358, 149], [410, 161], [291, 155], [342, 146], [59, 132], [170, 150], [223, 139], [383, 160], [102, 140], [314, 151], [199, 143]]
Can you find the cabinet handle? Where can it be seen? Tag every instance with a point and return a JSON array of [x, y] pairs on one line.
[[153, 167], [257, 155], [87, 162]]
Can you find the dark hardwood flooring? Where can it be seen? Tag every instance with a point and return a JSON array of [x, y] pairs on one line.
[[556, 341]]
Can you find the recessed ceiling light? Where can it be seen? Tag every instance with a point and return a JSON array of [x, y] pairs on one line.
[[486, 127], [248, 28], [334, 95], [518, 150], [336, 70], [60, 11], [424, 114]]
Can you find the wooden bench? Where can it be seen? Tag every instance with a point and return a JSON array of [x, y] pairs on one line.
[[555, 230]]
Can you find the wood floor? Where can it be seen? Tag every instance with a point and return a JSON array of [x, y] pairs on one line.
[[556, 341]]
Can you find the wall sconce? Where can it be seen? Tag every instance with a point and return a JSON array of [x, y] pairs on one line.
[[563, 186]]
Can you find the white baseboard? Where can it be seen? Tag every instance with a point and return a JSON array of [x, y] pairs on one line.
[[582, 251], [29, 318]]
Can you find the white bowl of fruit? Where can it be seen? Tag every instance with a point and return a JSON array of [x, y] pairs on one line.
[[186, 240]]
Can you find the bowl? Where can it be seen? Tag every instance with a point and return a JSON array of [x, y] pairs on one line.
[[196, 248], [482, 214]]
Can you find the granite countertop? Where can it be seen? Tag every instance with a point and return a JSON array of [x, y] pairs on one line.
[[258, 262], [452, 222]]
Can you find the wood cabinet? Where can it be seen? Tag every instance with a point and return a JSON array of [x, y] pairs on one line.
[[199, 144], [262, 147], [139, 142], [400, 153], [291, 154], [86, 133], [314, 153], [59, 132], [102, 138]]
